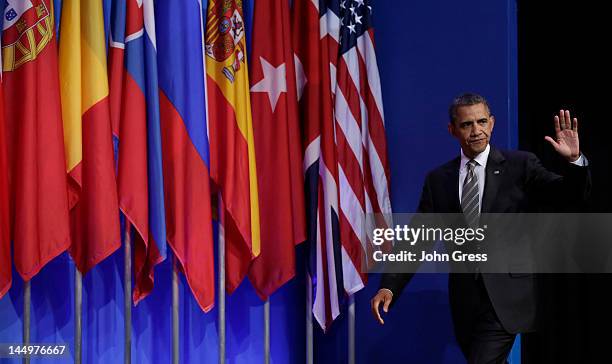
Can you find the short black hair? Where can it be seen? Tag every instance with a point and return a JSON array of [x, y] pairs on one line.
[[466, 99]]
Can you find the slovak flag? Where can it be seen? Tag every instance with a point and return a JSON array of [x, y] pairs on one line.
[[135, 118]]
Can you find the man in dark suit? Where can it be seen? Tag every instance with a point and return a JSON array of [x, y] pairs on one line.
[[489, 309]]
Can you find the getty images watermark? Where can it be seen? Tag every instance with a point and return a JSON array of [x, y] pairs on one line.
[[405, 234], [506, 243]]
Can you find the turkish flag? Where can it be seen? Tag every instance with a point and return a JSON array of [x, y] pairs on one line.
[[278, 148]]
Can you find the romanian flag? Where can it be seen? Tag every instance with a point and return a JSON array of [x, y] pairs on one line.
[[134, 96], [87, 133], [184, 143], [232, 165], [36, 164]]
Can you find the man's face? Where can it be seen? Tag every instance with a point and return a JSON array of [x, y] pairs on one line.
[[472, 128]]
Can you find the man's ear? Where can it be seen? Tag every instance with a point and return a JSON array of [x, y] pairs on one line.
[[451, 128], [492, 122]]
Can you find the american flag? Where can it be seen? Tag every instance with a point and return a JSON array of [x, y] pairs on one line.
[[345, 161]]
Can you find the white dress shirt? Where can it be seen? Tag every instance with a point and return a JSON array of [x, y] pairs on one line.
[[481, 166], [479, 170]]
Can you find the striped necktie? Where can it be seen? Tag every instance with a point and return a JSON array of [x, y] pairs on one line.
[[470, 201]]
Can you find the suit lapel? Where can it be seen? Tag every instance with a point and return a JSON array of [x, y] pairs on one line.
[[494, 174], [452, 186]]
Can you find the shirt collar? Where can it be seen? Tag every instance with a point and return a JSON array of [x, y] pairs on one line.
[[480, 158]]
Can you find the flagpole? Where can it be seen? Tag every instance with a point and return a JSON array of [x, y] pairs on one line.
[[78, 312], [27, 300], [351, 329], [221, 283], [267, 331], [309, 336], [127, 290], [175, 313]]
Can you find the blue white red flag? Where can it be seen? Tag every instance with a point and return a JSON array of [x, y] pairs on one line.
[[345, 158], [135, 118]]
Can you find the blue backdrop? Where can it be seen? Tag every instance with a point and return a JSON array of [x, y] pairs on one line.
[[428, 51]]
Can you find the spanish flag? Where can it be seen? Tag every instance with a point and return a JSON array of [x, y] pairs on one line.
[[232, 145], [94, 214]]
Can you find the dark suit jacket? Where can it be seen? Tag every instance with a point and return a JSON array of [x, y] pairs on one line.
[[515, 182]]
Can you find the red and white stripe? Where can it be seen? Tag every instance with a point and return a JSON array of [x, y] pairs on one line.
[[350, 146], [361, 150]]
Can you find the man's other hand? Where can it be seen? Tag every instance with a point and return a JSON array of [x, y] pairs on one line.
[[383, 296], [566, 136]]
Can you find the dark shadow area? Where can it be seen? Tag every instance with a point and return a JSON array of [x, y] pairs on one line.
[[562, 65]]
